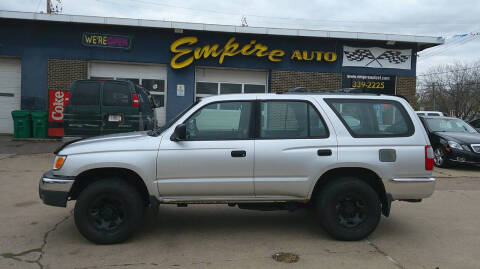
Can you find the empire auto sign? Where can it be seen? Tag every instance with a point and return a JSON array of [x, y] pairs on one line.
[[185, 52]]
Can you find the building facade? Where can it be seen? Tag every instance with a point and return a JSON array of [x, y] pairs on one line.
[[181, 62]]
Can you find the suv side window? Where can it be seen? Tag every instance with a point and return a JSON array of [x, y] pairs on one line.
[[116, 94], [220, 121], [290, 120], [373, 118], [85, 93]]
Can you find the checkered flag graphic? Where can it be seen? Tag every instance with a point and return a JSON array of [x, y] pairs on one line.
[[393, 57], [359, 54]]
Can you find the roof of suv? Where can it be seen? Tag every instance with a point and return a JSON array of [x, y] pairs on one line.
[[439, 117], [248, 96]]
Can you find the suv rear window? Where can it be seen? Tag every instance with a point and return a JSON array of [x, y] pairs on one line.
[[116, 94], [290, 120], [372, 118], [85, 93]]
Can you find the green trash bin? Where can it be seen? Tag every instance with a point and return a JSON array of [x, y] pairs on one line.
[[22, 125], [39, 123]]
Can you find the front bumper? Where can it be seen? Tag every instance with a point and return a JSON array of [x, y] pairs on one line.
[[412, 188], [462, 156], [54, 190]]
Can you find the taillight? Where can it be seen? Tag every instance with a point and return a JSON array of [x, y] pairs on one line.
[[429, 158], [135, 100], [67, 98]]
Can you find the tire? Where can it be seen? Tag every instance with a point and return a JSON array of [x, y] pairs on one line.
[[108, 211], [349, 209], [440, 157]]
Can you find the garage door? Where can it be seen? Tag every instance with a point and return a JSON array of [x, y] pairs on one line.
[[212, 81], [152, 77], [10, 92]]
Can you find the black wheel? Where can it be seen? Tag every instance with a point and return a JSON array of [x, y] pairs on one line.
[[349, 209], [440, 157], [108, 211]]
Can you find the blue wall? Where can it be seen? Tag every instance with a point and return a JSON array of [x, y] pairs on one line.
[[36, 41]]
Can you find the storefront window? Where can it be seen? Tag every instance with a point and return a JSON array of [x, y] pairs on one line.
[[207, 88], [154, 85], [251, 88], [230, 88]]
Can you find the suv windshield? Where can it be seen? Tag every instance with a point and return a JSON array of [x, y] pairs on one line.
[[449, 125]]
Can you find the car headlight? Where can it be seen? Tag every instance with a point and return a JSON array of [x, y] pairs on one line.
[[58, 162], [456, 145]]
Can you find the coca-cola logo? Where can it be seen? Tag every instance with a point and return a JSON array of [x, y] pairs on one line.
[[58, 100], [58, 106]]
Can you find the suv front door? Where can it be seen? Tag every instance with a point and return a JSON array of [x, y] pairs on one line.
[[215, 160], [292, 149]]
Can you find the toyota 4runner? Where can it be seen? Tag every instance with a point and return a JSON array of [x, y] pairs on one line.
[[346, 156]]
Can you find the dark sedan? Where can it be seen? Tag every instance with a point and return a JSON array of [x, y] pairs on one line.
[[453, 140], [476, 124]]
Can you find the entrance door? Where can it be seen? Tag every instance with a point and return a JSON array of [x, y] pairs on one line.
[[10, 91], [215, 160], [152, 77]]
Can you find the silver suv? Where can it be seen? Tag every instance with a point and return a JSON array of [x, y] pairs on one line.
[[346, 156]]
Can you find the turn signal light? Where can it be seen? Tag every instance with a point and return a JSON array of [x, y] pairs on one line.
[[429, 155], [58, 163]]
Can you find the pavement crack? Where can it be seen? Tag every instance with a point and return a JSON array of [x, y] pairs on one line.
[[389, 258], [41, 250]]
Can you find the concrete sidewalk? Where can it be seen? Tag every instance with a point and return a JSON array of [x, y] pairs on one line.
[[21, 147]]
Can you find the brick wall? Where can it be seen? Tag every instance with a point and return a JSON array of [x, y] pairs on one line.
[[406, 86], [61, 73], [283, 80]]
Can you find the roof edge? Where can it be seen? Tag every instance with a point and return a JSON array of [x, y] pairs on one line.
[[422, 41]]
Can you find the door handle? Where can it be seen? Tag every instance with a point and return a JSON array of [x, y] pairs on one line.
[[324, 152], [239, 153]]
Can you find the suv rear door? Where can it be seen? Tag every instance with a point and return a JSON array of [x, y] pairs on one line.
[[120, 113], [83, 113], [294, 145]]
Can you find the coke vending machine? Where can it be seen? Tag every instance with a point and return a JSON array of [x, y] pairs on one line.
[[57, 100]]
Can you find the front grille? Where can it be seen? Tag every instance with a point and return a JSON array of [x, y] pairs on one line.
[[476, 147]]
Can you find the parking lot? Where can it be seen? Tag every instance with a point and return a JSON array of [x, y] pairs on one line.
[[440, 232]]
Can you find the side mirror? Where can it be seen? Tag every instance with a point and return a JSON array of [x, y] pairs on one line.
[[180, 133]]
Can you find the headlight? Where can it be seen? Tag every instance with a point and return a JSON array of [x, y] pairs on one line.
[[455, 145], [58, 162]]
